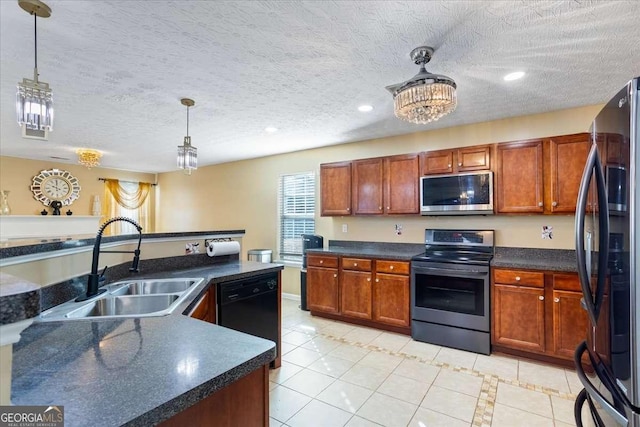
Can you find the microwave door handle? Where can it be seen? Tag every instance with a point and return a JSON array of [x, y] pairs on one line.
[[581, 211], [603, 238], [593, 391]]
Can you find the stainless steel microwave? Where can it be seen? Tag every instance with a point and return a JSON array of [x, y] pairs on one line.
[[457, 194]]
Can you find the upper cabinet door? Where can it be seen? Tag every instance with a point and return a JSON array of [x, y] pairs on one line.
[[473, 158], [366, 181], [568, 155], [335, 189], [437, 162], [401, 180], [519, 175]]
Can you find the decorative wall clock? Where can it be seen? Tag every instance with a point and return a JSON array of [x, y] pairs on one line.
[[55, 185]]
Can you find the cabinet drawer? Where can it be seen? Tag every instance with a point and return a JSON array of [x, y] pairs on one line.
[[357, 264], [519, 277], [566, 282], [327, 261], [394, 267]]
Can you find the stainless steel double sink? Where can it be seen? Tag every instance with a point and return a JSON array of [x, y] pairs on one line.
[[139, 298]]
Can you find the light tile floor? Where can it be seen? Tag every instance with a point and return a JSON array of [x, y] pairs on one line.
[[336, 374]]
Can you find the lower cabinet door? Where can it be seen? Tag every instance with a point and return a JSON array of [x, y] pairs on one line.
[[570, 322], [518, 317], [356, 294], [391, 296], [322, 290]]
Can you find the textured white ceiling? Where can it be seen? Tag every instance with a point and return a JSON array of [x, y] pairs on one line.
[[119, 68]]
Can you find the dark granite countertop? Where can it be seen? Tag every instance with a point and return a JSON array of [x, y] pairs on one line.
[[536, 259], [394, 251], [21, 247], [527, 258], [137, 372]]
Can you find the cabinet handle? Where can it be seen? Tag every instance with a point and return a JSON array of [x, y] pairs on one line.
[[540, 297], [540, 204], [554, 204], [335, 275], [368, 279], [377, 280], [459, 164], [517, 278], [556, 300], [379, 208], [388, 207], [391, 267], [348, 209], [449, 165], [321, 261]]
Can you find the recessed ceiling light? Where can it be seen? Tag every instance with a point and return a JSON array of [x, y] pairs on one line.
[[365, 108], [270, 129], [514, 76]]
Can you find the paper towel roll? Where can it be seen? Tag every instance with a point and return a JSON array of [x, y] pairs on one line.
[[223, 248]]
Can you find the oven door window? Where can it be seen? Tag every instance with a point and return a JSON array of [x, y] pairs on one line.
[[455, 294]]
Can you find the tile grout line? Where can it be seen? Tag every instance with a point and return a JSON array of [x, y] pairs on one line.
[[483, 414]]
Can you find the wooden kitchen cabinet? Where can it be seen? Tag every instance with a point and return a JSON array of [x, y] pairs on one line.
[[391, 293], [386, 185], [322, 283], [356, 293], [366, 182], [205, 308], [570, 320], [542, 175], [335, 189], [465, 159], [401, 184], [355, 287], [568, 157], [519, 177], [538, 314], [518, 317], [366, 291], [242, 403]]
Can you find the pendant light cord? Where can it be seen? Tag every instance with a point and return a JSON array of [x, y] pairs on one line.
[[187, 120], [35, 37]]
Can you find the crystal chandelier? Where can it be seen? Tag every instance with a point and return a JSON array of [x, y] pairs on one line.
[[187, 154], [34, 99], [425, 97], [88, 157]]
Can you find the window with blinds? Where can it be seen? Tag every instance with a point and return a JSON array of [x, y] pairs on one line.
[[296, 200]]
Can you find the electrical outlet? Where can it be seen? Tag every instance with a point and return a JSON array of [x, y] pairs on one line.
[[398, 229], [345, 228]]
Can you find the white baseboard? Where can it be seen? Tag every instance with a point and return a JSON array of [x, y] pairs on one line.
[[293, 297]]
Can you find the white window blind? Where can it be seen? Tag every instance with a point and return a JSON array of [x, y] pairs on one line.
[[296, 200]]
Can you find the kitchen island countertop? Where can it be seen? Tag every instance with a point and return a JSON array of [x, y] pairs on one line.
[[137, 371]]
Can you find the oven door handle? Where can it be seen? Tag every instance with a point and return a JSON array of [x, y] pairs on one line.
[[458, 273]]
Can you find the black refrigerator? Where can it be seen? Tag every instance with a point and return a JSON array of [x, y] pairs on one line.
[[607, 248]]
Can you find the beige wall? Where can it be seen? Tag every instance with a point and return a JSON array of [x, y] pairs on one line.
[[244, 194], [16, 175]]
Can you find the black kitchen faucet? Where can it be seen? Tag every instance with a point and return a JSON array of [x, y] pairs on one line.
[[94, 278]]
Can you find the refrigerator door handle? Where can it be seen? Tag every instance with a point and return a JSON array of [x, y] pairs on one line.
[[581, 210], [621, 419], [603, 238]]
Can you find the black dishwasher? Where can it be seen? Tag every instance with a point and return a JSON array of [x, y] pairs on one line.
[[250, 306]]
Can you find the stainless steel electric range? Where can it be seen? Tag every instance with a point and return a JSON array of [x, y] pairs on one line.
[[450, 289]]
